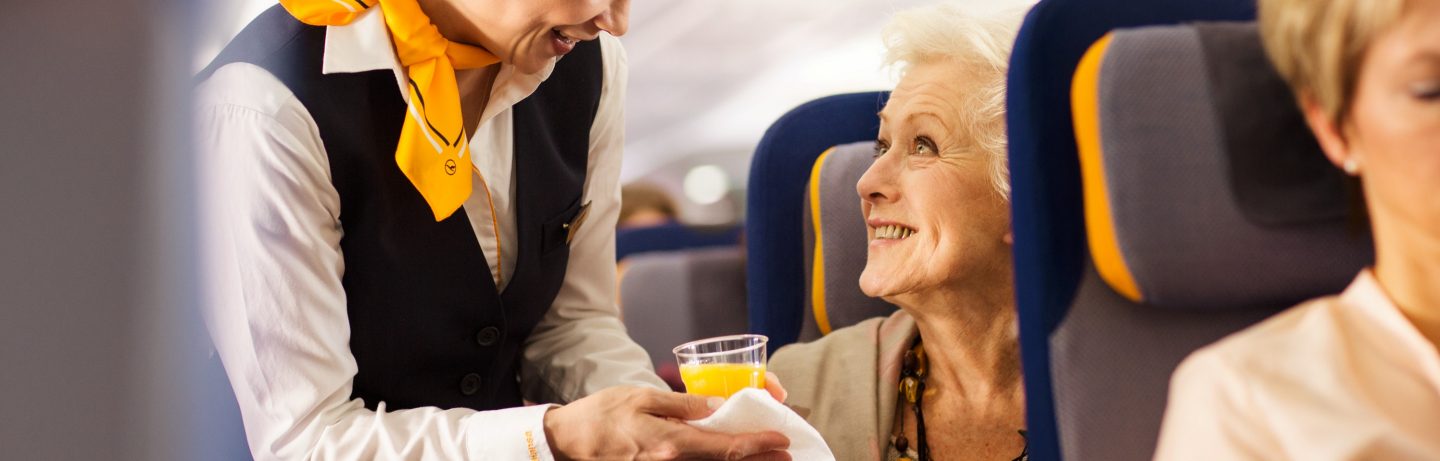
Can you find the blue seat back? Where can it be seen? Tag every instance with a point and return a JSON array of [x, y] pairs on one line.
[[774, 207], [673, 236]]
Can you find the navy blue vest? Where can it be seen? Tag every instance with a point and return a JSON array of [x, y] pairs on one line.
[[427, 325]]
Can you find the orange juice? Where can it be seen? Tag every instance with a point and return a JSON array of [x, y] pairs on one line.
[[721, 379]]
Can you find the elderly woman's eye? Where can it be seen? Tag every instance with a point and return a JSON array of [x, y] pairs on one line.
[[923, 145], [881, 148]]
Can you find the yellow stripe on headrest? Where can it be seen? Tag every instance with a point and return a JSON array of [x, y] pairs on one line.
[[1085, 106], [817, 266]]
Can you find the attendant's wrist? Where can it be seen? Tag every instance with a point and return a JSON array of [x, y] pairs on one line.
[[550, 422]]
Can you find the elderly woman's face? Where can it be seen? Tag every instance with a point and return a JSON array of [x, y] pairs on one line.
[[934, 216], [1394, 125], [530, 33]]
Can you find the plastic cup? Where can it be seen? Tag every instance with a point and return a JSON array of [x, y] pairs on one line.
[[722, 366]]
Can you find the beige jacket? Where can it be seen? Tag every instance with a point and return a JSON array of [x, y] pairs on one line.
[[845, 383]]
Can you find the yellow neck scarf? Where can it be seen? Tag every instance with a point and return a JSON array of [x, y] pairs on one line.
[[432, 146]]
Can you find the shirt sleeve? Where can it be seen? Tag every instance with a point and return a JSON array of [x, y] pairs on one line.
[[580, 346], [1210, 414], [275, 306]]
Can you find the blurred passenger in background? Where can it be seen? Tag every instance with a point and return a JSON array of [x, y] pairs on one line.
[[939, 379], [644, 205], [650, 222], [1353, 376]]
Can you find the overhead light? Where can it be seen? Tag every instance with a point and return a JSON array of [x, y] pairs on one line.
[[706, 184]]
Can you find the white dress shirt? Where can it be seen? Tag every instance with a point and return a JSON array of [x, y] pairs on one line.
[[276, 308], [1343, 377]]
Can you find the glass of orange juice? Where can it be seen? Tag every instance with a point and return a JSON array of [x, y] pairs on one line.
[[722, 366]]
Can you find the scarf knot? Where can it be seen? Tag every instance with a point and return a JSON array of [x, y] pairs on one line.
[[432, 142]]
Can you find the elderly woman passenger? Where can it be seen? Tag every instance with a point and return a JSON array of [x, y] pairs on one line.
[[1354, 376], [941, 377]]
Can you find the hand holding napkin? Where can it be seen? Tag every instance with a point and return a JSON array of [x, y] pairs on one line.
[[753, 410]]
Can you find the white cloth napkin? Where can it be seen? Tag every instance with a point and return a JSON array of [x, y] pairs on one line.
[[754, 410]]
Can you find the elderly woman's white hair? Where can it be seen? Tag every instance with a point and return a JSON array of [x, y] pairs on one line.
[[978, 35]]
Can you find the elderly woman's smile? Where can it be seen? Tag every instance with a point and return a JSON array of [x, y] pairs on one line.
[[884, 231]]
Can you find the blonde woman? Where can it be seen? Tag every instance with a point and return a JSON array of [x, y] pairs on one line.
[[1354, 376], [936, 202]]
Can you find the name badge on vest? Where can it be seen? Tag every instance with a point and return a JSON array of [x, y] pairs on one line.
[[574, 225]]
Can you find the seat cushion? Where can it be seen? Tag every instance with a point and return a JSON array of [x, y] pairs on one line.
[[1203, 188], [836, 258]]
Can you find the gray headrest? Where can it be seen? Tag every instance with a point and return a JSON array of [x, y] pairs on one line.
[[842, 245], [1217, 193]]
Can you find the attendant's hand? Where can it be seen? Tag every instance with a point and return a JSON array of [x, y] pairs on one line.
[[772, 385], [647, 424]]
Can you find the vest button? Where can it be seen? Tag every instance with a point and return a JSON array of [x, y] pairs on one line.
[[470, 384], [487, 336]]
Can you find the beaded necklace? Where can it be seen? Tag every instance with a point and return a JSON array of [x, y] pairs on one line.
[[913, 369]]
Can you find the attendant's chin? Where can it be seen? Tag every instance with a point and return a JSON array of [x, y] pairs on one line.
[[532, 65], [527, 68]]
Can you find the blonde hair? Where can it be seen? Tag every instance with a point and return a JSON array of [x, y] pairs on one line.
[[1317, 46], [977, 35]]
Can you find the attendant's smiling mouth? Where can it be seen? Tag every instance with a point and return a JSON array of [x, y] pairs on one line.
[[566, 39], [561, 44]]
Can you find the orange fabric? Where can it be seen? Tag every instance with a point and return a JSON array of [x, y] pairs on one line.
[[433, 142], [817, 269], [1100, 228], [494, 225]]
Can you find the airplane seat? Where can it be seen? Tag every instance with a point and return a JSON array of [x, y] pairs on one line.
[[1049, 251], [673, 236], [836, 242], [775, 218], [1166, 197], [669, 298]]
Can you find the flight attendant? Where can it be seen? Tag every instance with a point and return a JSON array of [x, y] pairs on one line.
[[408, 212]]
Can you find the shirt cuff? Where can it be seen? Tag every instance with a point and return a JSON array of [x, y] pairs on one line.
[[513, 433]]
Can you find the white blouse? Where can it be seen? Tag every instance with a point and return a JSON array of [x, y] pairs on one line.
[[1343, 377]]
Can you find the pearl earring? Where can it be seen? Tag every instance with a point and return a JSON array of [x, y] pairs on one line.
[[1350, 166]]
